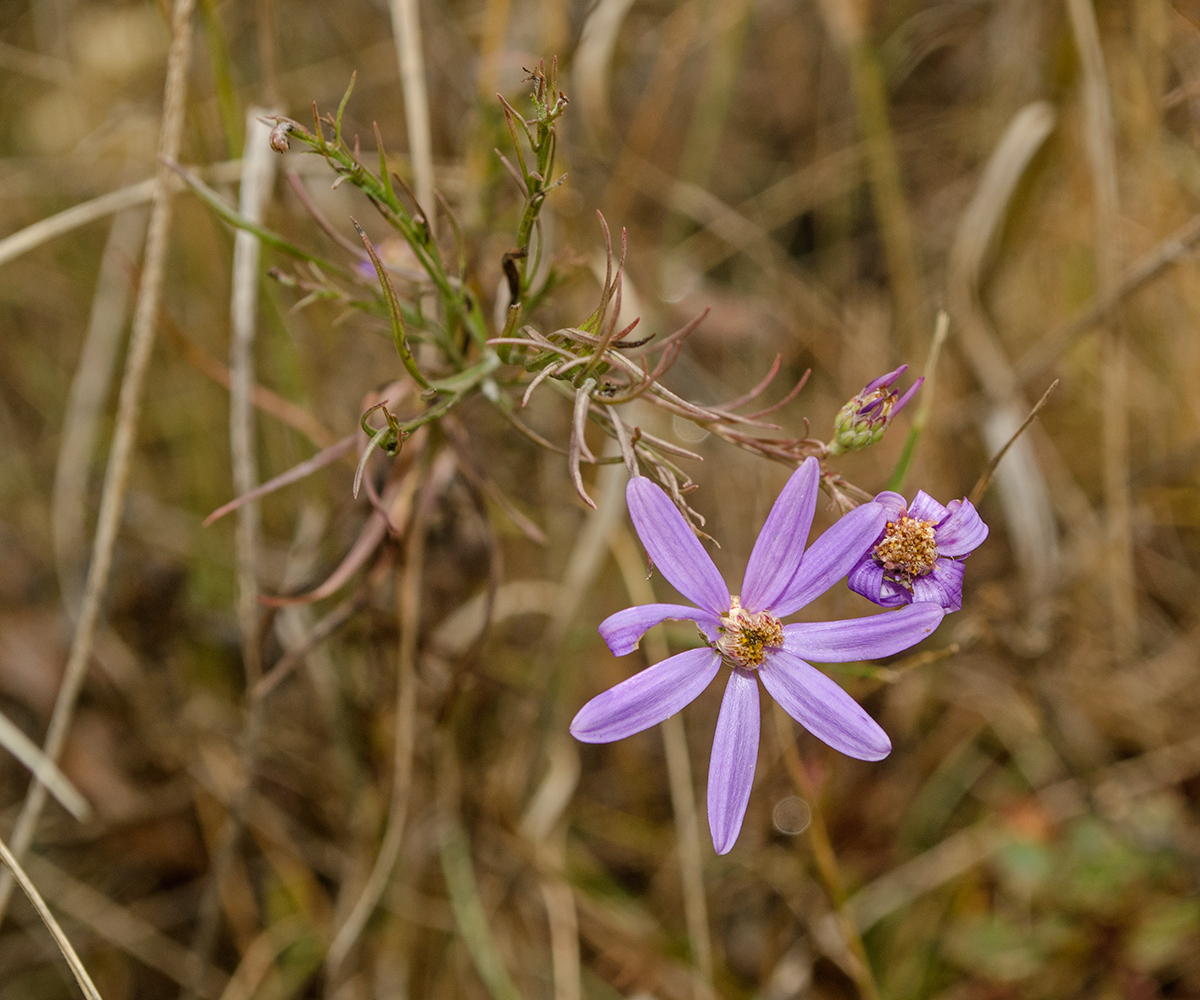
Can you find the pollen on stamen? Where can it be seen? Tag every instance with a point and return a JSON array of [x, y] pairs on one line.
[[908, 549], [746, 636]]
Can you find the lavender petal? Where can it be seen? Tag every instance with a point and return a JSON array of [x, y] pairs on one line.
[[823, 708], [862, 638], [673, 547], [942, 586], [624, 630], [893, 595], [646, 698], [895, 505], [780, 545], [884, 380], [962, 532], [925, 508], [902, 402], [734, 754], [866, 578], [831, 557]]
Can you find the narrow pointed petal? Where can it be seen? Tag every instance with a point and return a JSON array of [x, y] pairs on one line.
[[647, 698], [962, 532], [624, 630], [862, 638], [902, 402], [673, 547], [780, 545], [734, 754], [884, 380], [831, 557], [925, 508], [942, 586], [823, 708]]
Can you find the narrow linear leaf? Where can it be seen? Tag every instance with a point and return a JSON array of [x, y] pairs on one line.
[[393, 304]]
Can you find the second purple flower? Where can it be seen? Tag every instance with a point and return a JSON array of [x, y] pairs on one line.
[[746, 631], [919, 553]]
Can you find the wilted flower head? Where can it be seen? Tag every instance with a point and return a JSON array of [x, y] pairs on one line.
[[745, 631], [918, 556], [862, 421]]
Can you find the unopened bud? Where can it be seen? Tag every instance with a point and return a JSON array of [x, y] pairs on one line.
[[863, 420], [279, 136]]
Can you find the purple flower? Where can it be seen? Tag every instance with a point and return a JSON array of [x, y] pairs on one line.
[[918, 556], [862, 421], [746, 631]]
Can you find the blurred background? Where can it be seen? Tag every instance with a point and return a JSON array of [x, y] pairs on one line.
[[402, 813]]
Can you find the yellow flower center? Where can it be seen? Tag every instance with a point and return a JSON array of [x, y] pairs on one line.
[[745, 637], [908, 549]]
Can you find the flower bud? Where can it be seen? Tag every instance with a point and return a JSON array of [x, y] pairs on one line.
[[862, 421]]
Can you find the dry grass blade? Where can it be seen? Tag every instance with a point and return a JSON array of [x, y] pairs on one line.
[[593, 66], [43, 911], [122, 927], [406, 28], [88, 212], [116, 478], [846, 22], [408, 609], [679, 769], [1100, 141], [44, 769], [265, 399], [261, 956], [1021, 481], [369, 539], [311, 639], [977, 236], [466, 623], [258, 173], [459, 871], [957, 854], [85, 403]]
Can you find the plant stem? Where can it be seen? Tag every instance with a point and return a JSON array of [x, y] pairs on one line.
[[826, 860]]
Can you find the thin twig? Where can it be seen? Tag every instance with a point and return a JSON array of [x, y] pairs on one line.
[[294, 474], [1145, 269], [985, 480], [112, 500]]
